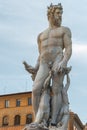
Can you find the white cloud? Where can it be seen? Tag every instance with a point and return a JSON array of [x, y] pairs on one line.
[[79, 48], [79, 51]]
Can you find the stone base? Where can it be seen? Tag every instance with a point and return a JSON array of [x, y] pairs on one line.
[[59, 128], [34, 127], [38, 127]]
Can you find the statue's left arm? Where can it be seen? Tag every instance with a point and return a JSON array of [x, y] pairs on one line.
[[67, 45], [68, 50]]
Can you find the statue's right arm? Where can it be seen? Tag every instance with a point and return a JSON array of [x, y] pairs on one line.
[[29, 68], [39, 49], [37, 64]]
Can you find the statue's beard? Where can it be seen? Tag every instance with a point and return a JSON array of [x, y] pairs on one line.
[[56, 21]]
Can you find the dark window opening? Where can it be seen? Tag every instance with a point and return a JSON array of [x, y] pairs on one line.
[[5, 121], [28, 118], [17, 103], [17, 120], [6, 103], [30, 101]]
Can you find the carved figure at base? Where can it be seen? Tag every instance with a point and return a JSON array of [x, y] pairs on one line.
[[55, 49], [64, 112]]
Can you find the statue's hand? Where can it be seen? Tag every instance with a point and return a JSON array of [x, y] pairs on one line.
[[59, 67], [29, 68], [47, 81], [62, 66]]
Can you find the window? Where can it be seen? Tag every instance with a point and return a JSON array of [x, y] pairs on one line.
[[17, 103], [29, 101], [6, 103], [5, 121], [28, 118], [17, 120]]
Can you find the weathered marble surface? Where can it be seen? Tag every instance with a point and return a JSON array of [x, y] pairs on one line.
[[49, 93]]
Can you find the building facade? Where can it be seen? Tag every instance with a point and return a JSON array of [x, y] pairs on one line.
[[85, 127], [16, 111], [75, 122]]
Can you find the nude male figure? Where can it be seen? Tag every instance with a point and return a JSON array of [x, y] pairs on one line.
[[55, 49]]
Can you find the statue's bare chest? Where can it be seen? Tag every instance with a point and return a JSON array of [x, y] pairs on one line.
[[53, 33]]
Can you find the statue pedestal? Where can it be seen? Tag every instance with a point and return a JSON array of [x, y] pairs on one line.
[[30, 127], [36, 127]]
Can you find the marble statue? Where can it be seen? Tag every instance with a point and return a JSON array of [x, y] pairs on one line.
[[49, 95]]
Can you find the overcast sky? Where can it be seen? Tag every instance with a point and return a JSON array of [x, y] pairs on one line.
[[20, 23]]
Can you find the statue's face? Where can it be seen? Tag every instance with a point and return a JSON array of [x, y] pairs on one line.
[[56, 17], [58, 14]]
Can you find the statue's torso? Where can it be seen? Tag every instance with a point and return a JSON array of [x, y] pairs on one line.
[[51, 44]]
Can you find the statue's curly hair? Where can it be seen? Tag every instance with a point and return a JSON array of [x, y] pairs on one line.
[[52, 8]]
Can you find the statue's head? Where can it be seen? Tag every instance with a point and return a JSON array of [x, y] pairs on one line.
[[54, 14]]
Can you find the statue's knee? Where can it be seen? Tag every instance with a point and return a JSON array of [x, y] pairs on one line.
[[36, 90]]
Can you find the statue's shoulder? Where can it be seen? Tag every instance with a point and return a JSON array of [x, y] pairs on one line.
[[44, 31], [66, 30], [43, 34], [39, 37]]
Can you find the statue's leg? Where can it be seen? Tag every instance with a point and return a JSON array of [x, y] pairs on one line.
[[38, 84], [57, 96], [44, 109], [65, 117]]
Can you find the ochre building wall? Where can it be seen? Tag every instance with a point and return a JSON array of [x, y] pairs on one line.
[[12, 110]]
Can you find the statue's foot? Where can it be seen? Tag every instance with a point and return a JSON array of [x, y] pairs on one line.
[[42, 125], [26, 127], [61, 127], [33, 125], [59, 124]]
